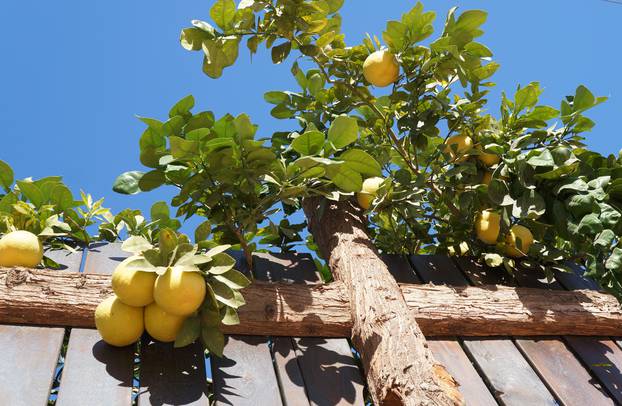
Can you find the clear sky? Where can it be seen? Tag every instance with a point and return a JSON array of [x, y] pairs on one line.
[[74, 73]]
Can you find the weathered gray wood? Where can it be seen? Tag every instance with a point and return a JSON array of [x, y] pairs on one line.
[[451, 354], [291, 382], [601, 356], [172, 376], [327, 367], [245, 374], [554, 362], [563, 373], [511, 378], [331, 374], [28, 357], [447, 351], [96, 373], [604, 358]]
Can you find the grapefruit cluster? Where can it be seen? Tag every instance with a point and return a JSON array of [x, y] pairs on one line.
[[517, 241], [144, 300]]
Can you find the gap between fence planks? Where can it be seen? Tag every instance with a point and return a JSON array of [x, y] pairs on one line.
[[46, 297]]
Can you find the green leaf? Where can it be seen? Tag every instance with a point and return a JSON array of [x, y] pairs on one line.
[[583, 99], [6, 175], [167, 241], [151, 180], [343, 131], [229, 316], [191, 39], [590, 224], [493, 260], [234, 279], [218, 55], [605, 238], [136, 244], [202, 231], [345, 178], [31, 192], [182, 107], [276, 97], [127, 183], [361, 162], [189, 332], [543, 159], [223, 13], [182, 148], [309, 143], [221, 263], [280, 52], [614, 261], [527, 97], [213, 340], [225, 295]]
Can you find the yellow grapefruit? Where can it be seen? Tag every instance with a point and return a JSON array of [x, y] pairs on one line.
[[381, 68], [488, 226], [117, 323], [161, 325], [179, 293], [368, 192], [133, 287], [20, 248], [513, 248]]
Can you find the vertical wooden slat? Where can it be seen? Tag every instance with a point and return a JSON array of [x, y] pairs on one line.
[[554, 362], [512, 379], [602, 356], [29, 355], [327, 367], [448, 350], [96, 373], [245, 374], [172, 376], [288, 371]]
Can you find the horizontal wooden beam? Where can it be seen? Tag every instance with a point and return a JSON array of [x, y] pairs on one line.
[[62, 298]]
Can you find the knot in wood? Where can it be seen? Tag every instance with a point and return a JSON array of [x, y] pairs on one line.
[[81, 281], [15, 277], [269, 311]]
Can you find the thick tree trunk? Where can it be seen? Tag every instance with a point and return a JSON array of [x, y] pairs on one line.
[[399, 365], [59, 298]]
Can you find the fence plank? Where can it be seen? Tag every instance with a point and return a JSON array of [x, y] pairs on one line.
[[602, 356], [447, 351], [245, 374], [512, 379], [172, 376], [556, 364], [327, 367], [288, 371], [34, 349], [28, 363], [96, 373]]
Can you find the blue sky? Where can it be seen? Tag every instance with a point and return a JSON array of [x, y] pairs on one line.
[[74, 74]]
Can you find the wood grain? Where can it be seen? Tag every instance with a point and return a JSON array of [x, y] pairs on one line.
[[107, 369], [46, 297]]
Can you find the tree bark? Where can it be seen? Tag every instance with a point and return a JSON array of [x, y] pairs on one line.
[[59, 298], [399, 365]]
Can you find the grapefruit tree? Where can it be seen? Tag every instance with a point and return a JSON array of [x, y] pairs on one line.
[[517, 188]]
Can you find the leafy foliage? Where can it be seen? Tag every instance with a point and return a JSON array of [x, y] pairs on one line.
[[47, 207], [529, 164]]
